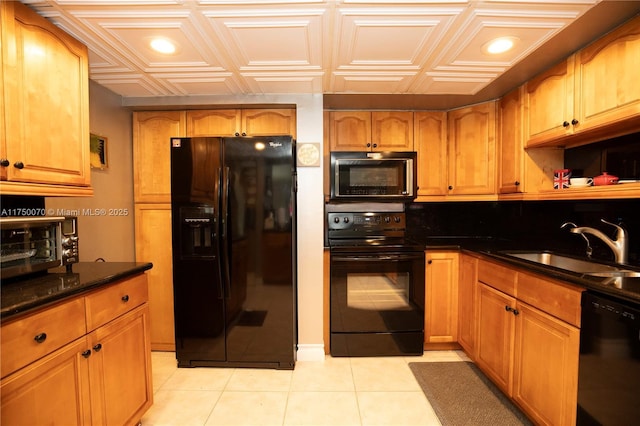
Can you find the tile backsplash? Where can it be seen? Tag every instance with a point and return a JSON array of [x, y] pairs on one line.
[[530, 223]]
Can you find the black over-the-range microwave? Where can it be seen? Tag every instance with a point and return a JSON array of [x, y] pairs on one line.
[[373, 176]]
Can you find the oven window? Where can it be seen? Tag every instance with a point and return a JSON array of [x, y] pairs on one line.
[[378, 292]]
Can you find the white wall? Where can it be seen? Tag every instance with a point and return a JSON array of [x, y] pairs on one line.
[[106, 236]]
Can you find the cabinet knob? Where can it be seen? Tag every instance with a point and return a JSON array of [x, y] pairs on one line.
[[574, 121], [244, 134], [125, 298], [4, 162], [97, 347], [429, 261], [517, 183], [237, 134], [86, 353], [516, 312], [565, 124], [40, 338], [375, 145], [508, 308], [18, 165], [450, 187], [368, 145]]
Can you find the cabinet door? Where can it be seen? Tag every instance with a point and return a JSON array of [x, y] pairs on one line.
[[495, 335], [441, 292], [511, 147], [545, 377], [47, 93], [607, 89], [120, 369], [548, 104], [467, 288], [472, 150], [53, 390], [153, 244], [350, 130], [430, 131], [264, 122], [217, 122], [392, 131], [152, 132]]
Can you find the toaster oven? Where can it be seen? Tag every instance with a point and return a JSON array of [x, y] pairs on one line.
[[29, 245]]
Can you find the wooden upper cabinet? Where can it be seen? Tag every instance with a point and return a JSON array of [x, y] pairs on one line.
[[510, 143], [606, 71], [152, 133], [350, 130], [472, 150], [430, 131], [392, 131], [264, 122], [592, 95], [45, 78], [217, 122], [371, 130], [241, 122], [549, 101]]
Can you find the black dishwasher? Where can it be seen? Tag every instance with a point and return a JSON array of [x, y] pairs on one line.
[[609, 370]]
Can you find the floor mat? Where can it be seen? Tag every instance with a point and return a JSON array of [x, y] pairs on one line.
[[461, 394]]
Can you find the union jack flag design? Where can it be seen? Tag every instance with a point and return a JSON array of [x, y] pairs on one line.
[[561, 178]]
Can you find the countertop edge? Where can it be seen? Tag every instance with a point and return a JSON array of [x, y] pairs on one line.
[[122, 271]]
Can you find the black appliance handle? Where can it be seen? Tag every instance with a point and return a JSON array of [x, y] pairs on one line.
[[376, 257], [218, 218], [226, 249]]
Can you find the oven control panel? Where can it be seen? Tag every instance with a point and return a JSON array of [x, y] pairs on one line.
[[369, 221]]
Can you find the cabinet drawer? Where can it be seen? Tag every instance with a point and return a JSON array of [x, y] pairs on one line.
[[499, 277], [109, 303], [53, 327], [555, 298]]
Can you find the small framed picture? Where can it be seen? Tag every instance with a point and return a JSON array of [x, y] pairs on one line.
[[98, 152]]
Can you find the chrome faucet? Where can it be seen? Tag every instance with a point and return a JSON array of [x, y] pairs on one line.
[[619, 246], [589, 249]]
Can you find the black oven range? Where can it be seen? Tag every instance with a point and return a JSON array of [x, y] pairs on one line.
[[376, 285]]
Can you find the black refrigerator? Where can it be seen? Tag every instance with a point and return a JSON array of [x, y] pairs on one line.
[[233, 214]]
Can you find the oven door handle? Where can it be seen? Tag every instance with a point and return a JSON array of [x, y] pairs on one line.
[[376, 257]]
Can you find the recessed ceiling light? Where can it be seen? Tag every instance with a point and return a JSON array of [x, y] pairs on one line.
[[499, 45], [163, 45]]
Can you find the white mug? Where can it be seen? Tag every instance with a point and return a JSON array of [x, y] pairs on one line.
[[581, 181]]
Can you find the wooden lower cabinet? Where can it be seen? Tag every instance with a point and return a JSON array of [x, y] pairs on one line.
[[101, 378], [120, 392], [530, 354], [545, 370], [153, 244], [496, 328], [467, 296], [441, 298], [53, 390]]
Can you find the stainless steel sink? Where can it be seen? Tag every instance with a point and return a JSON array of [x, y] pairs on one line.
[[565, 262], [615, 274]]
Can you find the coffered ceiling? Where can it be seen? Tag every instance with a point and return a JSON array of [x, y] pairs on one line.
[[335, 47]]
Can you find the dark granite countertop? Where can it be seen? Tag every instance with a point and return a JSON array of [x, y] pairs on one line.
[[627, 288], [22, 295]]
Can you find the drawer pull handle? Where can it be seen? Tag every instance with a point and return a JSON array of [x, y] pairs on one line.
[[97, 347], [125, 298], [40, 338], [86, 353]]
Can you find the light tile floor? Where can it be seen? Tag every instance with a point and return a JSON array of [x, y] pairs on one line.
[[338, 391]]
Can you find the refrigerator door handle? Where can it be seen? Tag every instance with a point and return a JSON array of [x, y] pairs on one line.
[[226, 252], [217, 218]]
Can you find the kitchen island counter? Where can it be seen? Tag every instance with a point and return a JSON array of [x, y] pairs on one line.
[[23, 295]]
